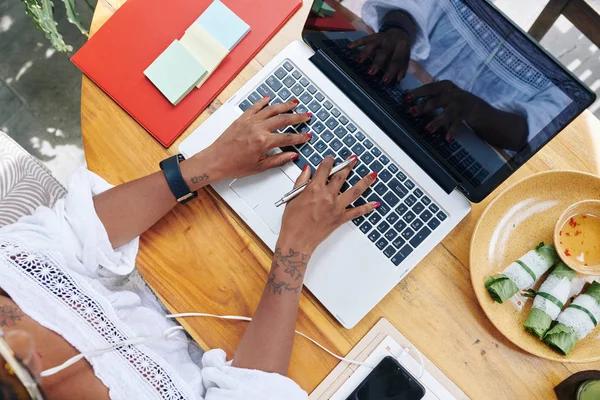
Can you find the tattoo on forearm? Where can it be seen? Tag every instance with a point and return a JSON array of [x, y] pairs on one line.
[[292, 264], [199, 178], [9, 316]]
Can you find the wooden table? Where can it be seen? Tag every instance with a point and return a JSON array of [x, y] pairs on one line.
[[201, 257]]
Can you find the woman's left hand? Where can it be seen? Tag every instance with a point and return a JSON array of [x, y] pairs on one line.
[[458, 105], [241, 150]]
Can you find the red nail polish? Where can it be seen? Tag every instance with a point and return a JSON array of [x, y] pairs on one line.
[[373, 175], [450, 140], [305, 168], [295, 101], [406, 98], [354, 157], [309, 115], [359, 59], [372, 71], [295, 157], [413, 110], [309, 136], [386, 79], [266, 96], [430, 128], [376, 204]]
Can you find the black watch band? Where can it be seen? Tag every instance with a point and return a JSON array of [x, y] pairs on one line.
[[177, 184], [386, 26]]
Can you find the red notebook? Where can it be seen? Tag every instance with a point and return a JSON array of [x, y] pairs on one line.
[[117, 55]]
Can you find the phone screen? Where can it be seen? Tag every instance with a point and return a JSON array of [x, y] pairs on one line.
[[389, 381]]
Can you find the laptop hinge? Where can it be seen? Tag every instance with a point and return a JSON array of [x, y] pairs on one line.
[[363, 101]]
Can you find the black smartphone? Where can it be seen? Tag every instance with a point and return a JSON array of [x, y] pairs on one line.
[[389, 381]]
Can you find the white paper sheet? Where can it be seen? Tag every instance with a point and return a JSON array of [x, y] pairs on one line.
[[389, 347]]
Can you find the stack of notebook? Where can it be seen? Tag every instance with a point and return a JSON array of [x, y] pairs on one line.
[[189, 62]]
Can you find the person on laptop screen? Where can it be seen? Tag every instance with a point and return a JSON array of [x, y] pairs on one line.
[[471, 70]]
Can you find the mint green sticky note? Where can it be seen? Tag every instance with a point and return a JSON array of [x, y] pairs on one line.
[[223, 24], [175, 72]]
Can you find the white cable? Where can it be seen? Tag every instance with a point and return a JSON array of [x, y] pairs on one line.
[[239, 318], [421, 362], [170, 333]]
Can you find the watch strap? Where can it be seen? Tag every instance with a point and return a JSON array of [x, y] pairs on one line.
[[174, 177], [393, 25]]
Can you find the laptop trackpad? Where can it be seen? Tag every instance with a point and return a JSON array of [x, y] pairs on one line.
[[260, 192]]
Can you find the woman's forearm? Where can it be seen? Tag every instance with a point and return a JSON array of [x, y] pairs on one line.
[[499, 128], [267, 343], [128, 210]]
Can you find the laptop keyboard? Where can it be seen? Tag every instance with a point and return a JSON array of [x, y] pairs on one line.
[[407, 215], [453, 152]]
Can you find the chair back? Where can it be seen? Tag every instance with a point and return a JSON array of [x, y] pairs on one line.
[[25, 184]]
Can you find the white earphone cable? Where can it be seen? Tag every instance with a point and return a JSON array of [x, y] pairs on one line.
[[170, 333]]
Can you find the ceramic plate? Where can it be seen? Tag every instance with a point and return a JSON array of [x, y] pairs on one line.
[[515, 222]]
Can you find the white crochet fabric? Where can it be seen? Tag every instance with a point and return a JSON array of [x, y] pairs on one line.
[[59, 267]]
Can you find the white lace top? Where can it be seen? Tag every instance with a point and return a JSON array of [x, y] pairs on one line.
[[59, 267]]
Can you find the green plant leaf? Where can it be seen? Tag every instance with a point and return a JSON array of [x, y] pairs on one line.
[[74, 17], [41, 11]]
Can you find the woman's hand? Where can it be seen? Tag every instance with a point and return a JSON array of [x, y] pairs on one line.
[[458, 105], [241, 150], [319, 210], [390, 51]]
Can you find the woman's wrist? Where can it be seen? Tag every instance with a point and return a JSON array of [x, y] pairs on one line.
[[200, 170], [401, 21], [287, 243]]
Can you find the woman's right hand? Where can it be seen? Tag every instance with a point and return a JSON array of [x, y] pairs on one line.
[[320, 209]]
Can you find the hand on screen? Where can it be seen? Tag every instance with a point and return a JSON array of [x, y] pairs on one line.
[[458, 105], [388, 51]]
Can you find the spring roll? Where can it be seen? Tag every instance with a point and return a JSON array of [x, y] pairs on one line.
[[521, 274], [576, 321], [550, 300]]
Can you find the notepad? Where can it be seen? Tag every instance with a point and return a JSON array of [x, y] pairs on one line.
[[207, 50], [223, 24], [175, 72]]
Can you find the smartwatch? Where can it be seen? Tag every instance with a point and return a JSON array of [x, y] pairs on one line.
[[175, 180]]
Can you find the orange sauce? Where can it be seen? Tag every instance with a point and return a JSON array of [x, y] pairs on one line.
[[580, 239]]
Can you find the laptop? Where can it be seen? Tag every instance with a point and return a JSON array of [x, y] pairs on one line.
[[426, 184]]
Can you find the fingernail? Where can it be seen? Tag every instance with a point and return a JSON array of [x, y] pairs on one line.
[[295, 157], [406, 98], [372, 71], [295, 101], [359, 59], [449, 139], [305, 168], [413, 110], [308, 115], [376, 204], [354, 157], [309, 136], [350, 45], [373, 175], [386, 79], [266, 96], [430, 128]]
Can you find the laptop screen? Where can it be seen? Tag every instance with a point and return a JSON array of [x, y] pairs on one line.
[[458, 77]]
